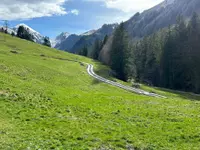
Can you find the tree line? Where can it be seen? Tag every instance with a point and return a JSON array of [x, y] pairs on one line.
[[93, 51], [169, 58]]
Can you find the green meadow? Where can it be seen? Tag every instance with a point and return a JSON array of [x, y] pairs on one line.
[[48, 101]]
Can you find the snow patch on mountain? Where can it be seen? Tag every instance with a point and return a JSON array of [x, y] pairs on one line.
[[60, 38], [27, 27], [37, 37], [168, 2], [10, 31], [88, 33]]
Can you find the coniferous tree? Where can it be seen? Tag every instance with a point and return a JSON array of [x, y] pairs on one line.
[[2, 29], [13, 34], [96, 49], [194, 50], [20, 32], [180, 65], [84, 51], [24, 34], [169, 58], [6, 31], [47, 42], [119, 53], [166, 60], [151, 65], [105, 39]]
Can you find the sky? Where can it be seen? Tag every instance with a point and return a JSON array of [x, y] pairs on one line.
[[51, 17]]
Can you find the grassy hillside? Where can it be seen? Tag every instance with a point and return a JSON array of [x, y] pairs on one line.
[[49, 102]]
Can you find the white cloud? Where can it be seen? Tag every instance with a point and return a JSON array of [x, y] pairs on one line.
[[27, 9], [129, 5], [75, 12]]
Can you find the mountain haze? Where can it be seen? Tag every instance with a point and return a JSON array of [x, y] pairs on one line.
[[68, 42], [74, 43], [60, 38]]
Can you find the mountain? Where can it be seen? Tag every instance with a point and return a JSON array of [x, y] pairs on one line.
[[160, 16], [74, 43], [88, 33], [153, 19], [88, 40], [59, 39], [10, 30], [67, 43], [37, 37]]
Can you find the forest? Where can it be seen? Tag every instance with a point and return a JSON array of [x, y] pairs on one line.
[[169, 58]]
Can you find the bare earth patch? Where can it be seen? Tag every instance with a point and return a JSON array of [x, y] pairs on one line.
[[3, 93]]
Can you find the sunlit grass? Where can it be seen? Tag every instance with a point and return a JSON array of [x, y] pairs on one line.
[[49, 102]]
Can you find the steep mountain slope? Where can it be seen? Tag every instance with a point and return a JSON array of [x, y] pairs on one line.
[[74, 42], [160, 16], [88, 33], [67, 43], [88, 40], [37, 37], [59, 39]]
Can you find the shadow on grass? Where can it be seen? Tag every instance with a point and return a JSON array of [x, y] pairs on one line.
[[181, 94], [104, 71], [95, 81]]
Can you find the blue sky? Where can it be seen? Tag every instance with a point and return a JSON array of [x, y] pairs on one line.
[[51, 17]]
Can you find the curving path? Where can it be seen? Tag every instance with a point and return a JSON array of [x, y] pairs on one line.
[[128, 88]]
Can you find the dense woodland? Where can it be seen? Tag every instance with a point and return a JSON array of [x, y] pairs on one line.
[[169, 58]]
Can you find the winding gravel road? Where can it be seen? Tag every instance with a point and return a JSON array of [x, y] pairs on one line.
[[128, 88]]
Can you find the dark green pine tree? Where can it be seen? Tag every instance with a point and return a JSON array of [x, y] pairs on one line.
[[119, 53], [47, 42], [13, 34], [167, 59], [20, 32], [105, 39], [24, 34], [181, 73], [84, 51], [103, 42], [151, 73], [194, 50], [96, 49]]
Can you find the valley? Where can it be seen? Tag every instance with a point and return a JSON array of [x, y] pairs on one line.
[[47, 102], [100, 75]]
